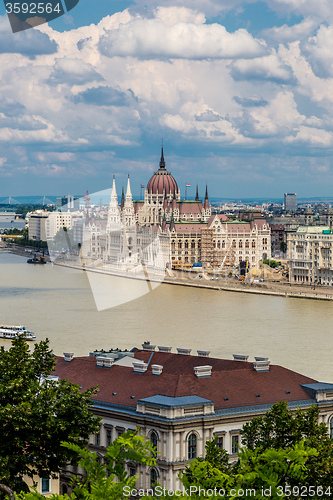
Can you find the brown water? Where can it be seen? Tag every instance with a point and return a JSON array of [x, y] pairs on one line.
[[57, 303]]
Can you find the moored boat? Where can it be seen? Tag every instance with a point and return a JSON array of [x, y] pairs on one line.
[[11, 332]]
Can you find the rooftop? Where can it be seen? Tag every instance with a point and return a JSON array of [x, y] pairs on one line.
[[232, 384]]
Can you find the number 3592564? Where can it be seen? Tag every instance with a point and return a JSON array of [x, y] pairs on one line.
[[32, 8]]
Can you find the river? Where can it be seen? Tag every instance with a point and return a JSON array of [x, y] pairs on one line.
[[58, 303]]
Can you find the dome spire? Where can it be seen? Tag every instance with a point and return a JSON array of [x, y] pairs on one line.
[[162, 162]]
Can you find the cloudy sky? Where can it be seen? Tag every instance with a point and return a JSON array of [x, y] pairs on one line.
[[240, 91]]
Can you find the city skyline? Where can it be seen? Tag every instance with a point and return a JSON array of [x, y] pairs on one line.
[[239, 91]]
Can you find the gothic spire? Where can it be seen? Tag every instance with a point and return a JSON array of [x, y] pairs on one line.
[[162, 162], [197, 195], [128, 191], [206, 203], [122, 198]]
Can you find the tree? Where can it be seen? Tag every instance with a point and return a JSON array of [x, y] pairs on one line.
[[266, 474], [107, 479], [283, 246], [37, 414], [281, 428]]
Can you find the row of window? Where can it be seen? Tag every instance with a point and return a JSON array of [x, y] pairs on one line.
[[192, 443]]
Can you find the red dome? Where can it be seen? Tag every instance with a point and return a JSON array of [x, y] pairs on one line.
[[162, 181]]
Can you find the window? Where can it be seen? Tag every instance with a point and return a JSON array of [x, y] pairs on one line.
[[153, 477], [97, 439], [45, 485], [108, 437], [331, 428], [219, 442], [234, 444], [132, 471], [153, 440], [192, 446]]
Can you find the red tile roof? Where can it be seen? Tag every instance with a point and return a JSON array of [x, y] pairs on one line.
[[235, 380], [189, 227], [190, 207]]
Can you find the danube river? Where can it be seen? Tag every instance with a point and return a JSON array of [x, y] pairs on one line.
[[58, 303]]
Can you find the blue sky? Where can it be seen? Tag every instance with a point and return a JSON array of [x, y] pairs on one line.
[[240, 91]]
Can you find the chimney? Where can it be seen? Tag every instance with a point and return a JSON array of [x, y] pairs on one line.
[[156, 370], [240, 357], [68, 356], [203, 371], [147, 346], [108, 362], [100, 361], [261, 364], [183, 350], [139, 366], [203, 354], [164, 348]]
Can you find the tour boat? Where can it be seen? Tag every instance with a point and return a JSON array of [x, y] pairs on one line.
[[11, 332]]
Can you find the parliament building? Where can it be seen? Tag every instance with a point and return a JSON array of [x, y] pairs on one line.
[[187, 230]]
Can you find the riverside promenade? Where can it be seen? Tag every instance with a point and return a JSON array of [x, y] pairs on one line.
[[186, 278], [276, 289]]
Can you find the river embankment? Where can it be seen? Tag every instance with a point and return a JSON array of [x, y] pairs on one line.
[[277, 289]]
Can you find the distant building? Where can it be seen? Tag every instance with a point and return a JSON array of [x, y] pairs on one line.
[[180, 401], [310, 255], [36, 223], [61, 220], [290, 201], [70, 202]]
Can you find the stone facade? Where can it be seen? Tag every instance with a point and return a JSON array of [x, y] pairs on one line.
[[310, 255]]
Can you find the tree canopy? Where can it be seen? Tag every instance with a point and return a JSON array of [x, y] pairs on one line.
[[37, 414], [281, 428]]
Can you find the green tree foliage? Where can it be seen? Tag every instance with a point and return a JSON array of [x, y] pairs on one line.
[[107, 479], [283, 246], [37, 414], [271, 263], [261, 473], [281, 428]]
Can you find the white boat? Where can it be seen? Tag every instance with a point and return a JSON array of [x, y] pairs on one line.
[[11, 332]]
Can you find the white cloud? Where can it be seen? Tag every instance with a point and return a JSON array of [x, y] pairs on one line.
[[264, 68], [320, 50], [167, 73], [313, 137], [319, 10], [286, 33], [186, 37]]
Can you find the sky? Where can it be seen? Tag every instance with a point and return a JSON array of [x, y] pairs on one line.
[[240, 91]]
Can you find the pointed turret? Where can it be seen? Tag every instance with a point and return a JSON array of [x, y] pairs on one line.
[[113, 215], [114, 192], [122, 203], [197, 194], [128, 212], [206, 203], [128, 190]]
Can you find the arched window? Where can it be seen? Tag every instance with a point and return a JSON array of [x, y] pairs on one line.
[[153, 440], [192, 446], [240, 244], [153, 477]]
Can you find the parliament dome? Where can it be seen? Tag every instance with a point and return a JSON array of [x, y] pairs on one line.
[[162, 182]]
